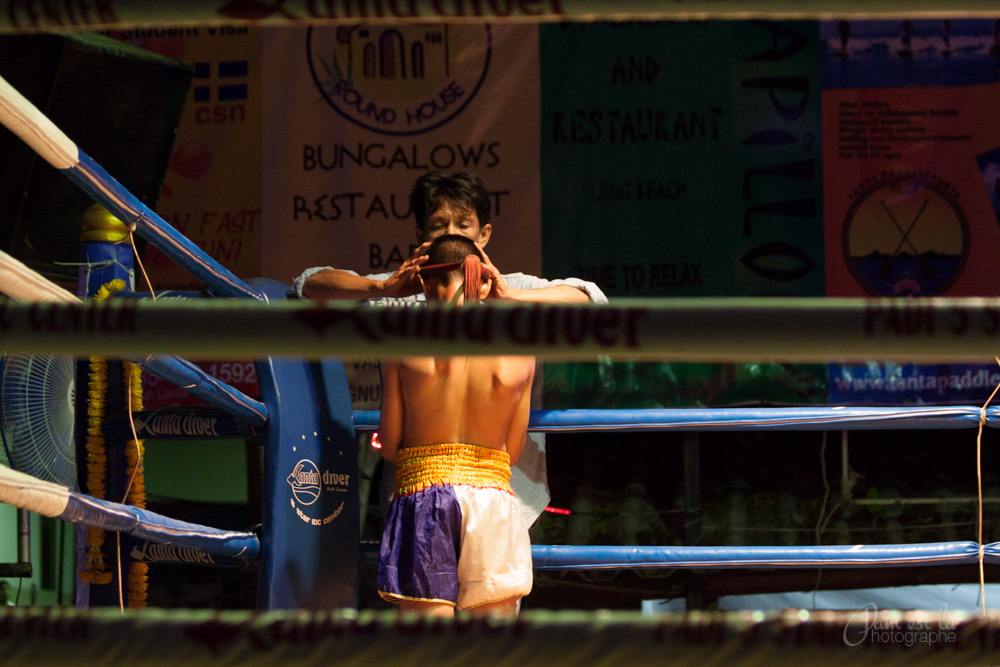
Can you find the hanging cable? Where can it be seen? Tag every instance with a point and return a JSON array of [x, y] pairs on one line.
[[979, 483]]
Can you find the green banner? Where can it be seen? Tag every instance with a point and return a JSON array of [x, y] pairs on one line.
[[683, 159]]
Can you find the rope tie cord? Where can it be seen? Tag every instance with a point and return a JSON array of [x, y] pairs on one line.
[[474, 274], [135, 493], [472, 270], [979, 483], [135, 253]]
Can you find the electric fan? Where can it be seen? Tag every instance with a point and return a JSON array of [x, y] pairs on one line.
[[36, 415]]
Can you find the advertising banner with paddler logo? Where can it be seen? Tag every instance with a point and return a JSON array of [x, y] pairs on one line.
[[911, 160]]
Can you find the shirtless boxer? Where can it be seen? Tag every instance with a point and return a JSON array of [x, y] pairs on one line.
[[455, 537]]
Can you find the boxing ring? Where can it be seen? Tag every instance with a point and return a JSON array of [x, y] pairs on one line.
[[308, 550]]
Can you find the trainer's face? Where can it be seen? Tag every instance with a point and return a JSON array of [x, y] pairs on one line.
[[450, 220]]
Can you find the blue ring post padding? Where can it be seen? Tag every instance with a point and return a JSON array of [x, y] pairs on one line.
[[310, 514], [723, 419], [103, 262], [103, 188], [151, 551], [142, 523], [835, 556], [189, 377], [188, 423]]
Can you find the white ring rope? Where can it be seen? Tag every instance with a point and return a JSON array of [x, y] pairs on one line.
[[35, 495], [928, 330], [180, 15], [35, 129], [20, 282]]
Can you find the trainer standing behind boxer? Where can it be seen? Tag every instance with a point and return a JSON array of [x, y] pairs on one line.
[[456, 204]]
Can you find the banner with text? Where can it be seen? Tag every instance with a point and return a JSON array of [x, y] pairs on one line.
[[715, 158], [683, 159], [354, 114], [912, 158], [211, 192]]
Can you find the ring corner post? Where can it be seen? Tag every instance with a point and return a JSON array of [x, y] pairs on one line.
[[310, 544]]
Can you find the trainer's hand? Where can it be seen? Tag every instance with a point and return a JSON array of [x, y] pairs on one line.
[[500, 289], [557, 293], [404, 281]]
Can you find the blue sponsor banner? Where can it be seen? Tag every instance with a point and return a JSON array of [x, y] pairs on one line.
[[898, 384]]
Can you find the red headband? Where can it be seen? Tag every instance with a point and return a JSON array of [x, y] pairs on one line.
[[474, 273]]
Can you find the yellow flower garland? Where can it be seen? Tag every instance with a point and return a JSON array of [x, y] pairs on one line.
[[94, 569]]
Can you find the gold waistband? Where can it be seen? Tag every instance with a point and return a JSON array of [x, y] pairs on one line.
[[451, 463]]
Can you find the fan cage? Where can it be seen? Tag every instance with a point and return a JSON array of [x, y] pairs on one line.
[[37, 394]]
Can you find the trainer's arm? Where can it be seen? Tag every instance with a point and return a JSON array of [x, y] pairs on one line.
[[550, 294], [329, 284], [390, 425], [323, 284]]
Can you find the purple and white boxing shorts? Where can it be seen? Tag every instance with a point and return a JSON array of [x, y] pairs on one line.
[[454, 534]]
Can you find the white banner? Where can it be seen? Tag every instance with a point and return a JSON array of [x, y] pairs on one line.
[[355, 114]]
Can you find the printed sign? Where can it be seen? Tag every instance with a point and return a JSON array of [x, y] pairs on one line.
[[670, 173], [356, 113], [211, 193], [910, 161], [241, 375]]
